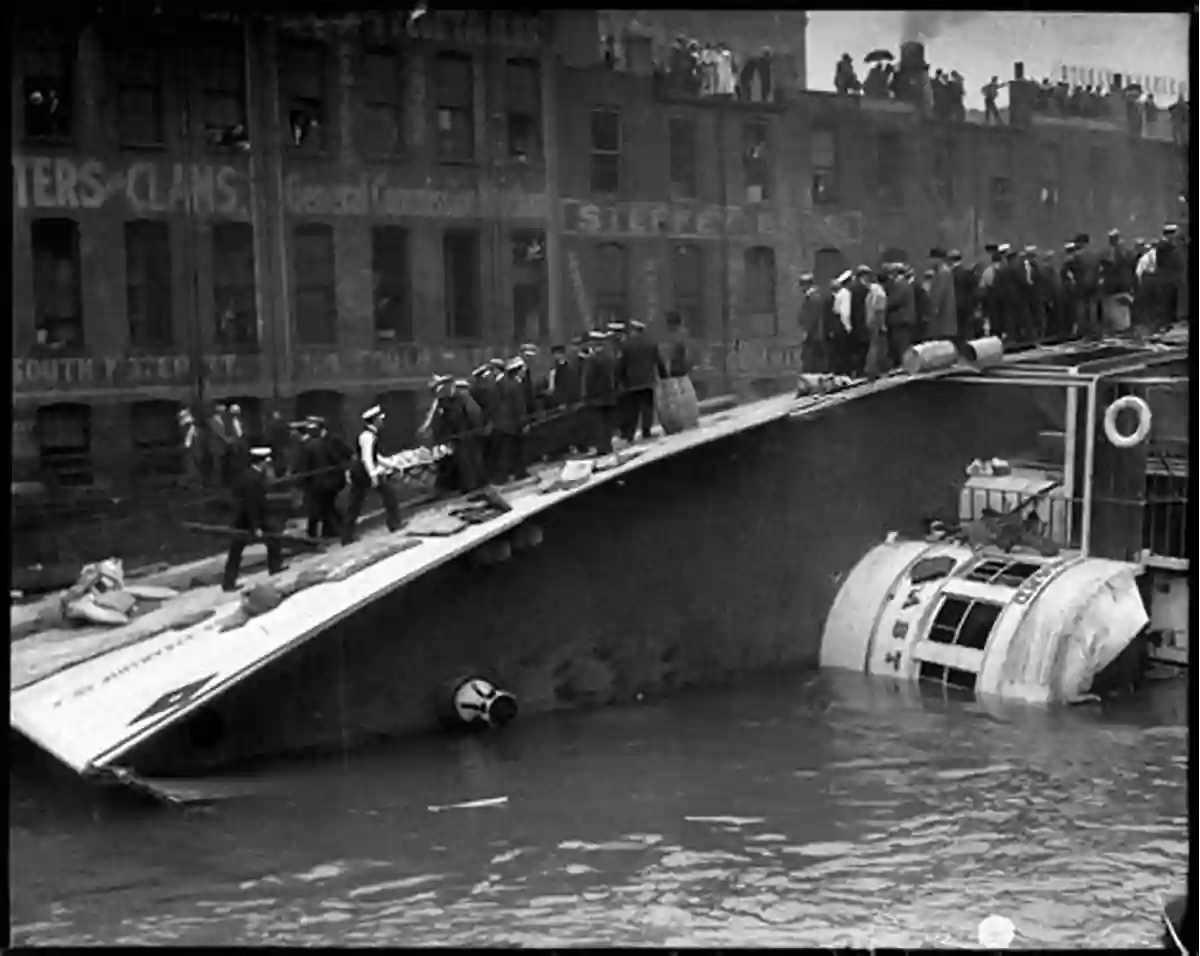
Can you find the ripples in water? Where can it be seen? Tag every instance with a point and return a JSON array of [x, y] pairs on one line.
[[817, 811]]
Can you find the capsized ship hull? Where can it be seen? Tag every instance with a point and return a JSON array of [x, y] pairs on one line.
[[717, 562]]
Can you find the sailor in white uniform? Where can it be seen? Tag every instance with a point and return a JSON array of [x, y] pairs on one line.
[[368, 471]]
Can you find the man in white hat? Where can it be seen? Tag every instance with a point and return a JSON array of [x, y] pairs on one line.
[[251, 518], [368, 471]]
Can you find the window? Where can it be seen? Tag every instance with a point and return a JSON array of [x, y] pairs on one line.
[[824, 166], [157, 440], [755, 162], [686, 274], [1001, 198], [235, 309], [148, 283], [995, 571], [49, 86], [682, 145], [889, 167], [401, 422], [760, 282], [383, 126], [57, 298], [315, 296], [522, 85], [460, 255], [1051, 175], [606, 151], [612, 284], [455, 82], [944, 162], [138, 74], [302, 92], [964, 622], [390, 275], [64, 437], [828, 264], [530, 318], [948, 676], [223, 104]]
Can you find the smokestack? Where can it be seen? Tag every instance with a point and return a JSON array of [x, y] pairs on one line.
[[1018, 71]]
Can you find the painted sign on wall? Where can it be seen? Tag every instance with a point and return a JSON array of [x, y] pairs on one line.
[[678, 220], [64, 182], [477, 28], [373, 195], [68, 375], [365, 365]]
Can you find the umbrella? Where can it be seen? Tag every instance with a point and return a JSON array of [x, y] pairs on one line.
[[875, 56]]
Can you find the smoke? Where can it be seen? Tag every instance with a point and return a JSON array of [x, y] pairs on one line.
[[925, 25]]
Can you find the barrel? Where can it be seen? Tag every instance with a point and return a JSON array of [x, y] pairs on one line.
[[928, 356], [984, 352], [676, 404]]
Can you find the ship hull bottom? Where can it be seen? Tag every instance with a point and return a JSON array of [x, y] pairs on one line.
[[716, 563]]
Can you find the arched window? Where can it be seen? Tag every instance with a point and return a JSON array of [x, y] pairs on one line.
[[64, 438]]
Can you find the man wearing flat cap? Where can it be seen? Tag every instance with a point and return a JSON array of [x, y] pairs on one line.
[[369, 471], [1170, 254], [510, 423], [600, 390], [322, 467], [1086, 271], [251, 518], [638, 364], [943, 318]]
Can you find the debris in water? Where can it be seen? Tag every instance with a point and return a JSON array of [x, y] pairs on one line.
[[729, 821], [471, 804]]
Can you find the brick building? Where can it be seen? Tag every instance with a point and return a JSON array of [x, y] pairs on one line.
[[313, 216]]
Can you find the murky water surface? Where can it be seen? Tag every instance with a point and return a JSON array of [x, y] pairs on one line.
[[812, 811]]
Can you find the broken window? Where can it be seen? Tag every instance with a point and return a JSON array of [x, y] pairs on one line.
[[57, 296], [315, 295], [390, 272], [756, 167], [964, 622], [460, 257], [889, 167], [455, 84], [686, 271], [49, 76], [943, 169], [681, 133], [235, 310], [302, 90], [522, 83], [148, 283], [606, 151], [760, 280], [612, 284], [157, 439], [383, 116], [824, 166], [222, 68], [138, 75], [64, 437], [530, 319]]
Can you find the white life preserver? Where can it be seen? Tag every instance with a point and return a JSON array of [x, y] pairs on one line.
[[1138, 435]]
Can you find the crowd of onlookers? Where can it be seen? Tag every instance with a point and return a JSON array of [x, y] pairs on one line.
[[940, 95], [1137, 108], [714, 69], [867, 319]]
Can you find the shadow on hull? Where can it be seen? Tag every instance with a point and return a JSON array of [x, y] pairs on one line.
[[721, 561]]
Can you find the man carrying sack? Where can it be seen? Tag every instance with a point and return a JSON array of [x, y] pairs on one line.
[[675, 401]]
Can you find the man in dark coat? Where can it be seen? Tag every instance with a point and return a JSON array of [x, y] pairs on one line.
[[964, 282], [1087, 280], [600, 390], [811, 323], [943, 319], [323, 464], [637, 372], [860, 335], [564, 389], [249, 489], [511, 423], [901, 313]]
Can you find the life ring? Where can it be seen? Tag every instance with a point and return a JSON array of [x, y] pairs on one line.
[[1138, 435]]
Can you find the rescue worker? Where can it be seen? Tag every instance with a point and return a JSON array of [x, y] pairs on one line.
[[511, 423], [839, 322], [193, 461], [533, 377], [678, 408], [368, 471], [279, 437], [876, 362], [943, 317], [901, 314], [249, 489], [458, 423], [322, 477], [811, 322], [218, 446], [600, 390], [637, 373], [563, 392], [1070, 285]]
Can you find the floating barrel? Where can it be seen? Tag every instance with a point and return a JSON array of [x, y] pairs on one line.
[[928, 356], [474, 703], [1018, 626]]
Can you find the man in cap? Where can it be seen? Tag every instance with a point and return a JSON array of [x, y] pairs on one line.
[[1117, 266], [511, 423], [943, 318], [533, 377], [563, 392], [251, 518], [965, 282], [637, 375], [1168, 275], [901, 314], [875, 363], [839, 322], [811, 322], [323, 463], [600, 391], [860, 334], [1086, 271], [369, 470]]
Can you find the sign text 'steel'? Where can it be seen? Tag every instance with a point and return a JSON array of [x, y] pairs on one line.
[[62, 182]]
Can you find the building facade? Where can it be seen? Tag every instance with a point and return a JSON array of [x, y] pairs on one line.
[[312, 216]]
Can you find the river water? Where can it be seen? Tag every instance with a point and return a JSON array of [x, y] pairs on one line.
[[813, 810]]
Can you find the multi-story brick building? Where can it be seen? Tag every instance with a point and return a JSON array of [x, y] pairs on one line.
[[311, 215]]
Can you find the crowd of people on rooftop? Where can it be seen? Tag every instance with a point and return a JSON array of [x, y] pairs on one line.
[[865, 321]]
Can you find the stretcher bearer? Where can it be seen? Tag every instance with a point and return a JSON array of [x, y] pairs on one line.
[[250, 517], [369, 471]]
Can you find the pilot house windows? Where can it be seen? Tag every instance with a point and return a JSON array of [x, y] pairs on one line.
[[964, 622]]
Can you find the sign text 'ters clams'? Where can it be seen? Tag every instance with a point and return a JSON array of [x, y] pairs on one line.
[[62, 182]]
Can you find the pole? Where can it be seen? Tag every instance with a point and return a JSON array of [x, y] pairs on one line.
[[1070, 437], [553, 265], [1089, 466], [186, 62], [724, 248]]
